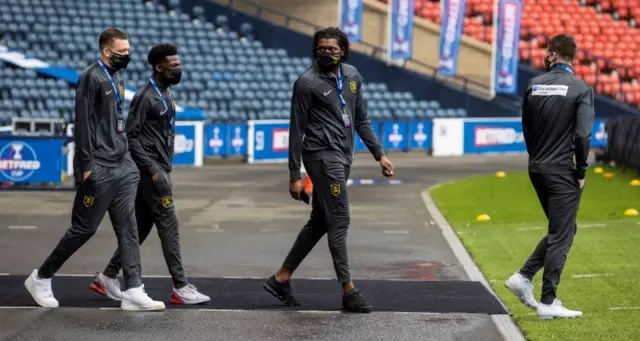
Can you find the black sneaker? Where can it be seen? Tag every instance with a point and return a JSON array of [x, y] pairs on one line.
[[353, 302], [281, 291]]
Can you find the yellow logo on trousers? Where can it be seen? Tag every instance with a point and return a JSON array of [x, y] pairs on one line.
[[335, 189], [88, 201], [166, 202]]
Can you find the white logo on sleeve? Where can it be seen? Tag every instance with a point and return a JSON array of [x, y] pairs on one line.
[[549, 90]]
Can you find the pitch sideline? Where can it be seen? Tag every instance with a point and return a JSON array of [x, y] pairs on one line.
[[503, 322]]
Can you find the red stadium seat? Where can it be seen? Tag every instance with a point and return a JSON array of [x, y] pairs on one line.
[[608, 47]]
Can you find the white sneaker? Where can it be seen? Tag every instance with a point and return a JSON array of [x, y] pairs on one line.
[[188, 295], [556, 310], [106, 286], [137, 299], [523, 289], [40, 290]]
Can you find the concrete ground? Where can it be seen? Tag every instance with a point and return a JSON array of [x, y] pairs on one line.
[[238, 220]]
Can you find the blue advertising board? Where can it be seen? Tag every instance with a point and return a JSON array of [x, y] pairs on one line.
[[401, 23], [215, 140], [359, 145], [395, 135], [237, 139], [505, 63], [31, 160], [451, 25], [598, 134], [225, 140], [184, 152], [420, 135], [493, 136], [351, 18], [269, 141]]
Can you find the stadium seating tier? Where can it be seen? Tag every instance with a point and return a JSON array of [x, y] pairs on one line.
[[226, 75]]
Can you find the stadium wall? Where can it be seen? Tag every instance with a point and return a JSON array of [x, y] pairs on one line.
[[373, 70], [475, 56]]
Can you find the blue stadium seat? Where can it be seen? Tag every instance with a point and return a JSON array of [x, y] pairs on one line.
[[211, 53]]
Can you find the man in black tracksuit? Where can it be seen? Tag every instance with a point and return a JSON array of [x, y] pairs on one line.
[[326, 100], [557, 120], [106, 176], [151, 136]]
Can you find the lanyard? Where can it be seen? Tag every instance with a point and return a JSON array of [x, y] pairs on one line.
[[563, 67], [113, 84], [171, 115], [119, 100], [343, 104]]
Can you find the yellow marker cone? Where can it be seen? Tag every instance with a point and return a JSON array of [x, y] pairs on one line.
[[483, 217], [501, 174], [598, 170], [631, 212], [635, 182], [608, 175]]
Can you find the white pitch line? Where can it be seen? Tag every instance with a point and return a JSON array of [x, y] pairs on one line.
[[591, 225], [591, 275], [110, 308], [22, 227], [17, 307], [396, 231], [524, 229], [624, 308], [241, 277], [4, 274], [209, 230]]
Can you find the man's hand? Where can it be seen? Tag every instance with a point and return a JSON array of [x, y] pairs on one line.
[[387, 167], [295, 187], [85, 175], [581, 183], [154, 177]]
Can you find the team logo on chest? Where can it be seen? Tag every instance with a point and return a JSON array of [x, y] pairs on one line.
[[353, 86]]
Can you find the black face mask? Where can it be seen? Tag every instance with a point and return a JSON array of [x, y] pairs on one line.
[[328, 59], [172, 77], [119, 61], [547, 63]]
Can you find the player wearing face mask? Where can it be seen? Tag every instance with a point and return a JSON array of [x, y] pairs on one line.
[[106, 177], [327, 110], [557, 118], [151, 132]]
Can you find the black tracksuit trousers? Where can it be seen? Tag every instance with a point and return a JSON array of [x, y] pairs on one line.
[[559, 195], [329, 214], [154, 205], [106, 189]]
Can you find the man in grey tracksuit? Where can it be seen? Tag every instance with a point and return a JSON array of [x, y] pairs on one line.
[[106, 176], [151, 135], [557, 120], [327, 109]]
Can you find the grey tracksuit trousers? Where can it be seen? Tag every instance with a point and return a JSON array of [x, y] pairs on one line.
[[559, 196], [154, 205], [329, 214], [106, 189]]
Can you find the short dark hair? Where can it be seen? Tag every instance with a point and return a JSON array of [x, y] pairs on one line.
[[335, 33], [564, 45], [109, 35], [159, 52]]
